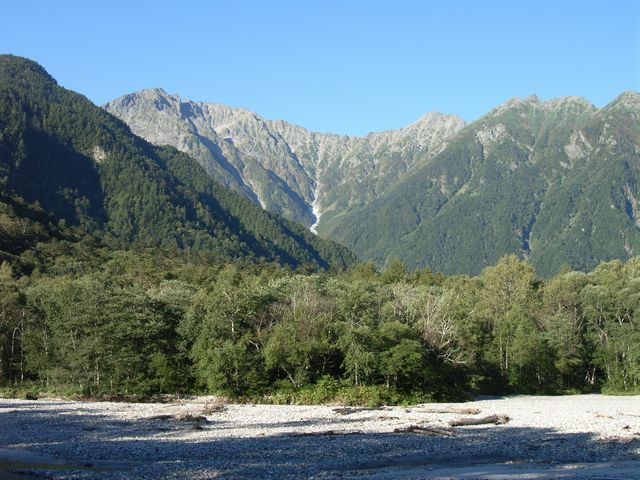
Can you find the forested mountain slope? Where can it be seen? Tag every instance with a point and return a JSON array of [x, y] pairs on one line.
[[555, 182], [86, 167]]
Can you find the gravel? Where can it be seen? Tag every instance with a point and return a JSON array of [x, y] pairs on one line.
[[582, 436]]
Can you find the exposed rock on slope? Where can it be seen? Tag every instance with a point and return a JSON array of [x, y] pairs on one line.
[[285, 168]]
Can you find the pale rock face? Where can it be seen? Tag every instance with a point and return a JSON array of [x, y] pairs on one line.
[[578, 146], [491, 135], [634, 203], [443, 184], [98, 154], [283, 167]]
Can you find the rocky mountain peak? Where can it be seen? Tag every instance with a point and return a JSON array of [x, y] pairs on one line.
[[158, 92], [533, 98], [156, 96], [572, 105], [514, 102], [629, 99], [572, 101], [431, 119]]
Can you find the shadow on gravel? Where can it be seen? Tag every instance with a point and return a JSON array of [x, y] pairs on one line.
[[98, 447], [328, 422]]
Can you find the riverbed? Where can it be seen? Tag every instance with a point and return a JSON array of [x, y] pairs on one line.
[[580, 436]]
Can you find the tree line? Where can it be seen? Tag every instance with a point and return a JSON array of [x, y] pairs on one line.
[[146, 322]]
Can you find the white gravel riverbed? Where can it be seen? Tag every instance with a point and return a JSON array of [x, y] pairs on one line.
[[582, 436]]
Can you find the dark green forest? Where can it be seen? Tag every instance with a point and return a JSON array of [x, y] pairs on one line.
[[79, 316], [86, 167]]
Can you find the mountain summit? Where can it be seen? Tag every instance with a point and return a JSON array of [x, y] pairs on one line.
[[309, 177]]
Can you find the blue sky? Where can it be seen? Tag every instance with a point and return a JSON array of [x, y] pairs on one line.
[[334, 66]]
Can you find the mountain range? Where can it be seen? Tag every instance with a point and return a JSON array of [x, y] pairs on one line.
[[75, 161], [309, 177], [555, 182]]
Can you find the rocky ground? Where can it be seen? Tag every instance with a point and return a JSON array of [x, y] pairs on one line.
[[586, 436]]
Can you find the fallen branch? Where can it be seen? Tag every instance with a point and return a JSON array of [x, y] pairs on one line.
[[215, 408], [326, 432], [495, 419], [387, 417], [462, 411], [181, 418], [191, 418], [159, 417], [431, 431], [350, 410]]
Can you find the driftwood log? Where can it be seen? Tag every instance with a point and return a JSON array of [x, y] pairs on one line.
[[461, 411], [188, 417], [159, 417], [350, 410], [431, 431], [326, 432], [495, 419]]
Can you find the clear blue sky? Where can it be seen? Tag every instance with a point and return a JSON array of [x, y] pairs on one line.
[[339, 66]]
